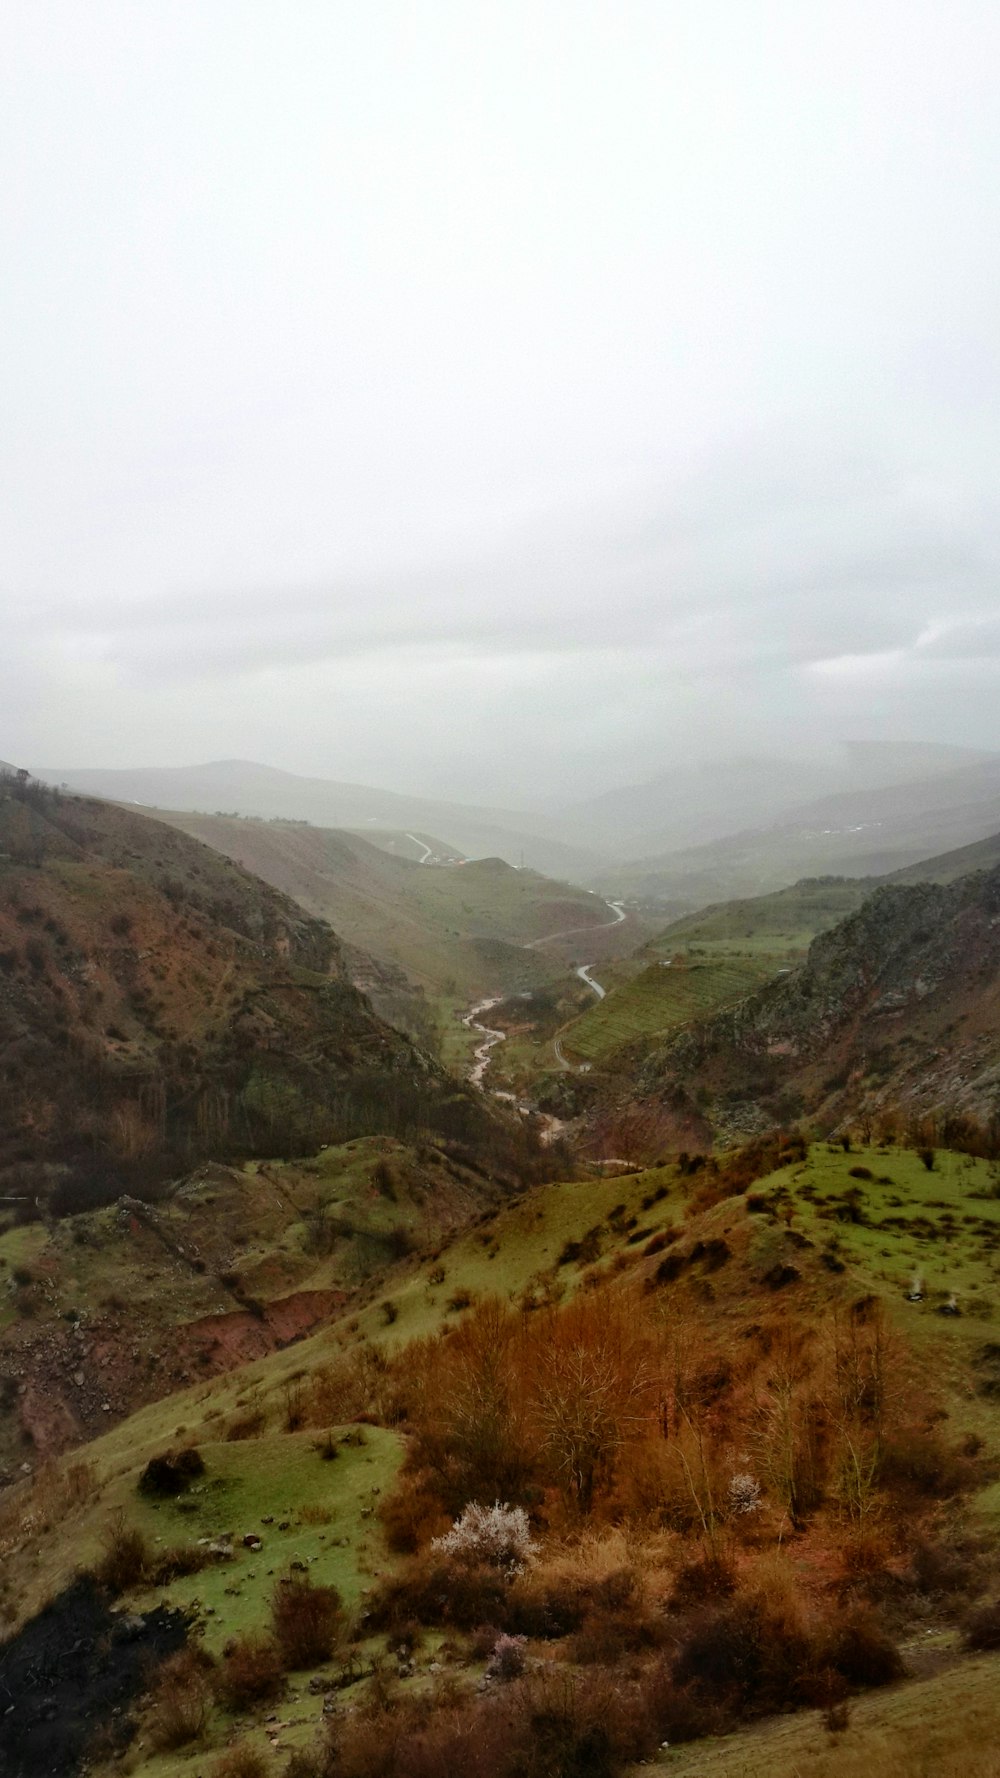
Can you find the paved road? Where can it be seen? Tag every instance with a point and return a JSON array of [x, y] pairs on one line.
[[585, 976], [569, 931], [425, 849]]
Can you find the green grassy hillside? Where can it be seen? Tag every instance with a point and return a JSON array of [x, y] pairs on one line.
[[302, 1448], [784, 922], [459, 930], [663, 997]]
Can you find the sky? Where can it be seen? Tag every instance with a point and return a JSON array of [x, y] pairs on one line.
[[497, 400]]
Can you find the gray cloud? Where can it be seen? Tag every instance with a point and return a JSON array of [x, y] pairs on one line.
[[493, 406]]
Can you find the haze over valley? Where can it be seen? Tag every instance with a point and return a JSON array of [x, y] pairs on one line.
[[500, 890]]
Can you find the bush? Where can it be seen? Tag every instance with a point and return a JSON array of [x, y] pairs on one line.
[[981, 1629], [942, 1570], [410, 1516], [507, 1659], [250, 1673], [305, 1621], [180, 1701], [756, 1655], [433, 1591], [499, 1535], [241, 1761], [548, 1725], [125, 1557], [175, 1562], [863, 1653], [708, 1577], [170, 1474], [605, 1638]]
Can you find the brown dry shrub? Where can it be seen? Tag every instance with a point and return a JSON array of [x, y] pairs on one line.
[[181, 1701], [859, 1648], [250, 1672], [945, 1570], [432, 1590], [548, 1604], [411, 1515], [605, 1638], [175, 1562], [305, 1621], [707, 1577], [756, 1654], [551, 1725], [748, 1652], [125, 1558], [248, 1425], [241, 1761], [981, 1629]]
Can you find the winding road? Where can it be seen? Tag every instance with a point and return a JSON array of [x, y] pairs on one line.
[[491, 1037], [425, 849], [570, 931]]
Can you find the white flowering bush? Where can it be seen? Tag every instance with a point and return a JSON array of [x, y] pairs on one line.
[[744, 1494], [507, 1660], [496, 1534]]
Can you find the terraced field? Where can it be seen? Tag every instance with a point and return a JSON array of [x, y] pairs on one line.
[[663, 997]]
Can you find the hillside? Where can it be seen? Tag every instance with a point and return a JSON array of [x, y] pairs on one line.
[[898, 1005], [466, 925], [948, 866], [245, 788], [107, 1310], [766, 1619], [157, 1004], [856, 833]]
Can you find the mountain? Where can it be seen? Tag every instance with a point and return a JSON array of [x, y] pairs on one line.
[[241, 787], [158, 1004], [898, 1005], [468, 928], [854, 833], [947, 866], [691, 805]]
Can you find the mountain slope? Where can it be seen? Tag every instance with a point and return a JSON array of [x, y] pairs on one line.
[[464, 928], [157, 1003], [899, 1004], [245, 788], [869, 833]]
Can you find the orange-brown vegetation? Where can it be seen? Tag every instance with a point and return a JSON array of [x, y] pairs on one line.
[[305, 1621], [250, 1672]]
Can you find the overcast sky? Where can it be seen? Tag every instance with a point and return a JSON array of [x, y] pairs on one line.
[[497, 399]]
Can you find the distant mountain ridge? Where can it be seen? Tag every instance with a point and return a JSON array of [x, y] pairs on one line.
[[864, 833], [245, 788], [701, 832]]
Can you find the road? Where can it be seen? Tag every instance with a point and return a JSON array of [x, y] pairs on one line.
[[585, 976], [424, 849], [565, 1064], [570, 931]]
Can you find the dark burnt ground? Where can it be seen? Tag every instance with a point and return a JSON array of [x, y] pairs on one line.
[[69, 1678]]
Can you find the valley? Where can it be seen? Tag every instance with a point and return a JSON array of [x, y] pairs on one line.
[[349, 1184]]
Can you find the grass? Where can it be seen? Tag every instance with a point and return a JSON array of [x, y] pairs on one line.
[[456, 929], [281, 1477], [943, 1726], [261, 1224], [897, 1216], [784, 921], [665, 996]]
